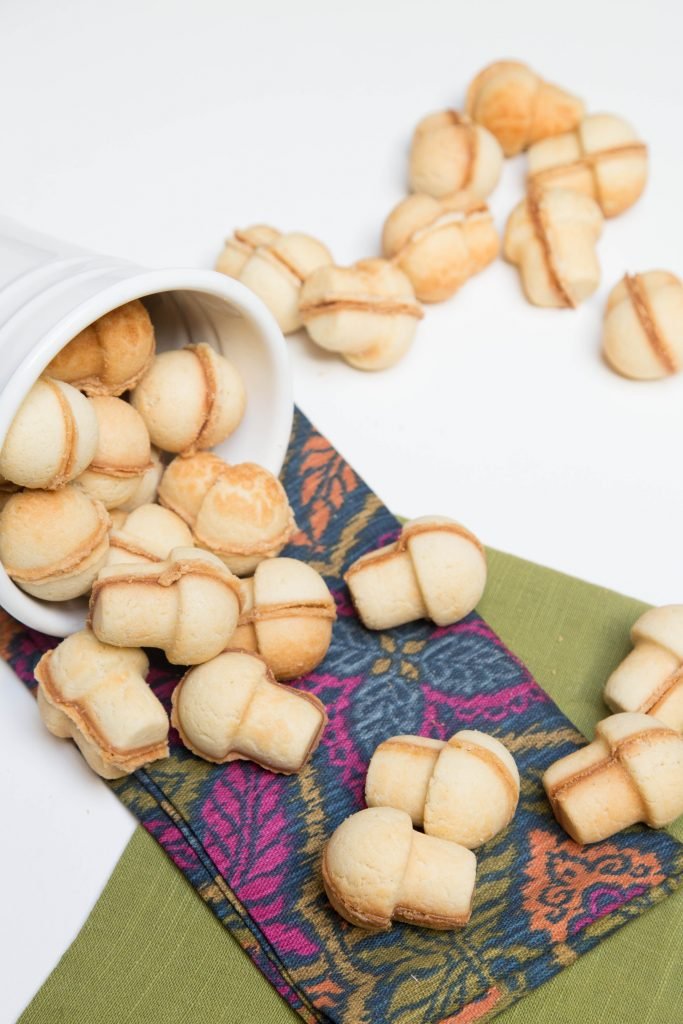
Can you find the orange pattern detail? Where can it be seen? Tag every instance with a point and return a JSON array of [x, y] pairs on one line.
[[477, 1010], [327, 480], [324, 992], [559, 872]]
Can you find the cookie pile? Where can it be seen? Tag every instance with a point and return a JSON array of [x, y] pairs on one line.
[[581, 169], [377, 868], [198, 577], [179, 556]]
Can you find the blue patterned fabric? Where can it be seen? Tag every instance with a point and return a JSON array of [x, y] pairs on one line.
[[250, 842]]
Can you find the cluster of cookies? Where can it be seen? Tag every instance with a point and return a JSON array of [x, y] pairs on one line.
[[366, 312], [228, 707], [181, 557], [377, 868], [581, 169], [633, 769], [243, 635], [81, 466], [242, 638]]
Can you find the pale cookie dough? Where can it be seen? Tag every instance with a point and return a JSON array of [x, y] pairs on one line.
[[146, 489], [603, 158], [631, 772], [650, 678], [241, 245], [465, 790], [190, 399], [439, 245], [111, 355], [123, 454], [367, 312], [376, 869], [551, 236], [53, 543], [435, 570], [287, 617], [52, 438], [519, 107], [97, 696], [232, 708], [451, 154], [275, 268], [187, 605], [240, 512], [642, 335], [147, 534]]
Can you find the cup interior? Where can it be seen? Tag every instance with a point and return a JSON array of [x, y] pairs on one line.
[[211, 309]]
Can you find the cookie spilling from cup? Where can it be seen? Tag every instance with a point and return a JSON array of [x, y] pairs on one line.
[[107, 429]]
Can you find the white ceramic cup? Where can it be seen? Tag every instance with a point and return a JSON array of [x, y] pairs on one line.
[[50, 290]]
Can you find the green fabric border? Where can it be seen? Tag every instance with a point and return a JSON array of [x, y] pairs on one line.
[[151, 951]]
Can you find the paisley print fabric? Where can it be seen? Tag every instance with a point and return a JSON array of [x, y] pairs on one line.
[[250, 842]]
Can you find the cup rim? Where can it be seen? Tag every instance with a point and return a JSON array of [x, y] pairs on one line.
[[140, 285]]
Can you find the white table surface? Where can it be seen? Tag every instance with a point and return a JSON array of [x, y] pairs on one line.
[[150, 129]]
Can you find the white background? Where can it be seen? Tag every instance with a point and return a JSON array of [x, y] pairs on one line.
[[151, 129]]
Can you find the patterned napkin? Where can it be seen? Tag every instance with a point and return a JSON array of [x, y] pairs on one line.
[[250, 842]]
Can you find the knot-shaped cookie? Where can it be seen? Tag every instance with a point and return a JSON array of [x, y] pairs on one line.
[[122, 456], [435, 570], [53, 543], [465, 790], [241, 512], [190, 399], [643, 331], [650, 678], [241, 245], [97, 696], [287, 616], [111, 355], [631, 772], [519, 107], [451, 154], [440, 244], [232, 709], [148, 534], [52, 438], [274, 266], [551, 237], [603, 157], [367, 312], [187, 605], [376, 869]]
